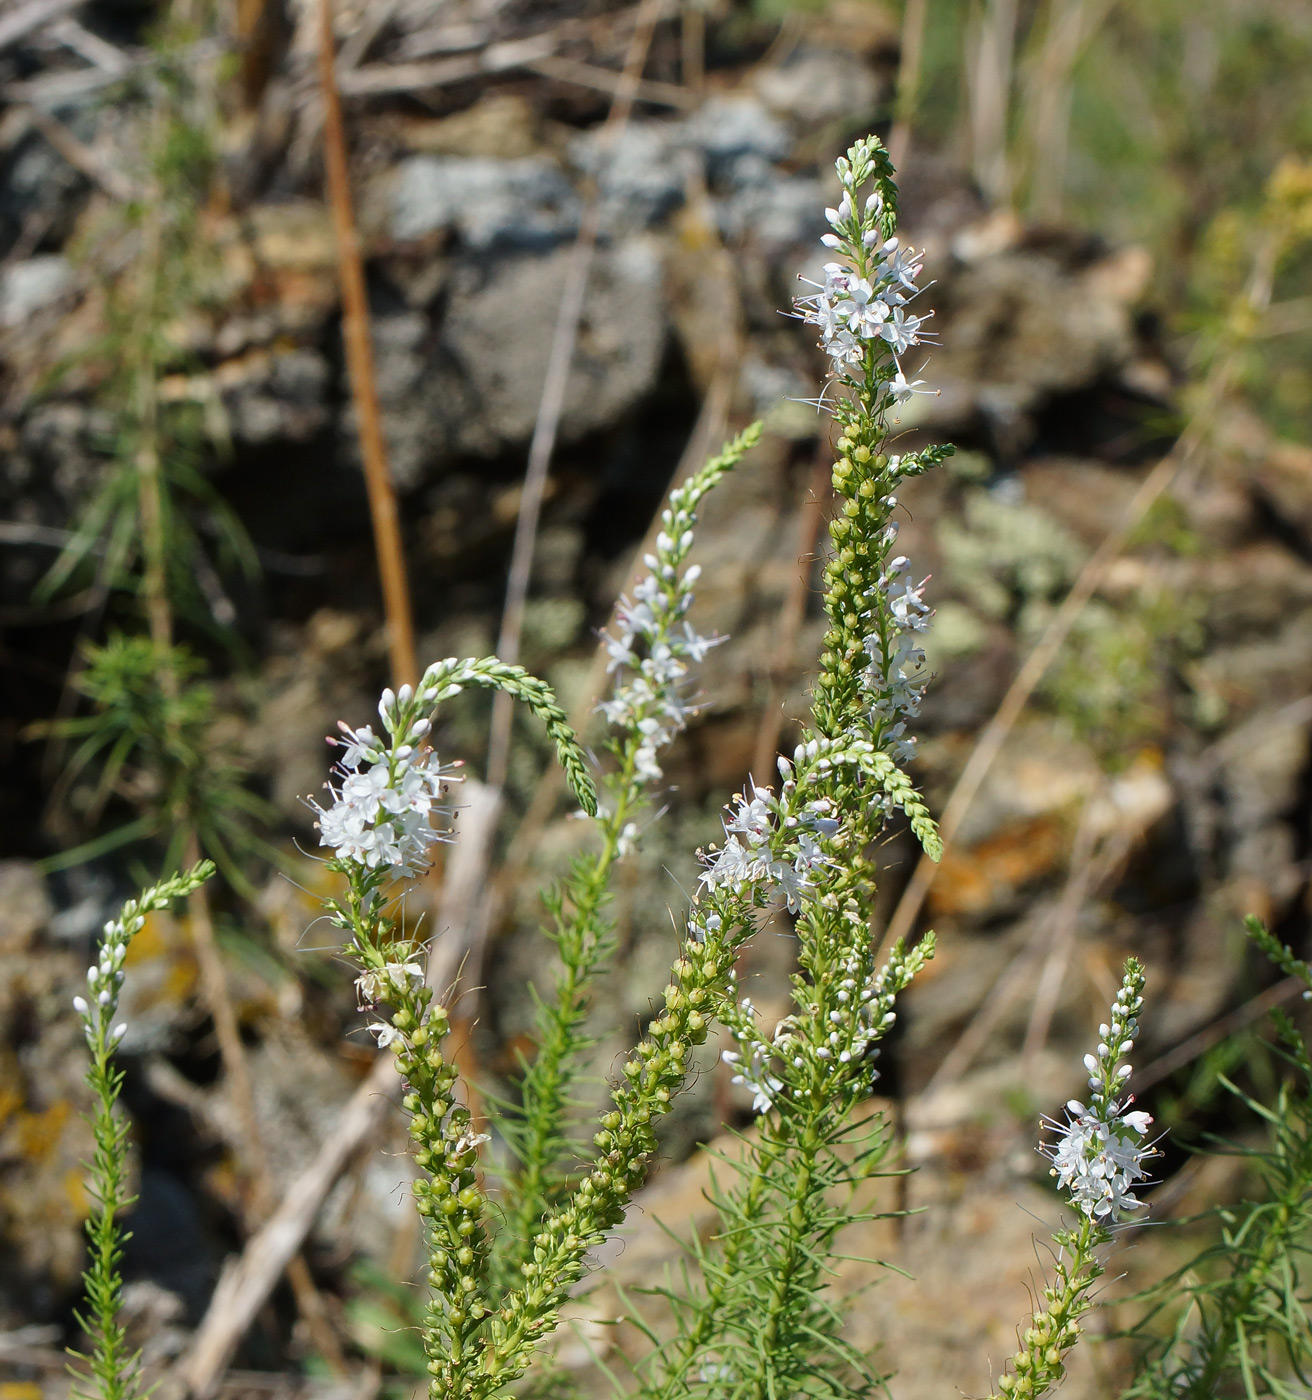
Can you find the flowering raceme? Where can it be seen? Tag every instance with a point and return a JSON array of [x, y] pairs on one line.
[[653, 638], [1101, 1151]]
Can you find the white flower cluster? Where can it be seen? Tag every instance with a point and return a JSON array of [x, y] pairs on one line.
[[1098, 1161], [1101, 1151], [854, 308], [105, 979], [381, 812], [654, 639], [896, 676], [768, 846]]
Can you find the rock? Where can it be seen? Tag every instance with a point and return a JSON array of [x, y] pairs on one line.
[[776, 212], [641, 171], [32, 285], [276, 396], [819, 85], [482, 384], [490, 203], [500, 125], [726, 127], [25, 907], [1020, 324]]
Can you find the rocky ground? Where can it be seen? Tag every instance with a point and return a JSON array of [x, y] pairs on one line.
[[1155, 791]]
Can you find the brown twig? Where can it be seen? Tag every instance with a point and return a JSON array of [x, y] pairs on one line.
[[360, 364], [589, 75]]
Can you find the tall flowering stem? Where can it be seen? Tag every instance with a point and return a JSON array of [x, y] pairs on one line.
[[761, 1326], [652, 646], [1099, 1154], [380, 826], [481, 1327], [115, 1370]]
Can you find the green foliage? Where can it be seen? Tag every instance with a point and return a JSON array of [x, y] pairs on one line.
[[151, 738], [144, 528], [1234, 1320]]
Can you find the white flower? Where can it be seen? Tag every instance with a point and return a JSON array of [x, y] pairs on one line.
[[765, 1087], [387, 1034], [901, 330], [377, 983], [1098, 1160], [903, 389]]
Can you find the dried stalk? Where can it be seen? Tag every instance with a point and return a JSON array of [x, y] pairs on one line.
[[989, 70], [1069, 26], [910, 56], [360, 364], [246, 1283]]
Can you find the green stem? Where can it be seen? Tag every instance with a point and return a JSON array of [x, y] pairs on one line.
[[544, 1091]]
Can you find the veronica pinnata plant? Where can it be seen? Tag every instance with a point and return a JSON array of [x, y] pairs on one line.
[[509, 1228], [1234, 1319], [115, 1370]]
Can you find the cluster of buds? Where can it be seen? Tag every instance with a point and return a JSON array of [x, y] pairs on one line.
[[799, 1060], [99, 1008]]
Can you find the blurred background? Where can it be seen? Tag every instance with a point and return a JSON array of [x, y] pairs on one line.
[[577, 228]]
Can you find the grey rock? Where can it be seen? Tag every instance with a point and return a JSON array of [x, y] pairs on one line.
[[402, 369], [285, 402], [25, 907], [485, 376], [488, 202], [32, 285], [819, 85], [640, 174], [777, 212], [727, 127]]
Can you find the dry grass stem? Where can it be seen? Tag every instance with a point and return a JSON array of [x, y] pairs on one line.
[[360, 364]]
